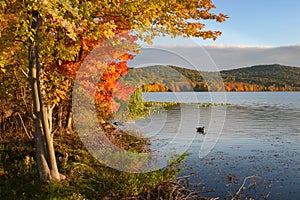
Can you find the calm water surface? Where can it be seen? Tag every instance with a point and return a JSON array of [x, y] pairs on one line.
[[256, 134]]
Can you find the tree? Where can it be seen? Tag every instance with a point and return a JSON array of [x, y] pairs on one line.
[[58, 34]]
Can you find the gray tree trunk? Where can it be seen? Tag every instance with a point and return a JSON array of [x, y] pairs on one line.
[[69, 120], [42, 115]]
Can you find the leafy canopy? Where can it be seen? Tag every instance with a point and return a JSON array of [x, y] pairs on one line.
[[67, 25], [70, 30]]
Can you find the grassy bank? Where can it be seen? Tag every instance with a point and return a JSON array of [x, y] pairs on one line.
[[86, 177]]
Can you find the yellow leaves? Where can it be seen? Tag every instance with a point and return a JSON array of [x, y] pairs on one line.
[[177, 18], [56, 87], [108, 33], [2, 69], [69, 26], [35, 8], [207, 4], [71, 29], [3, 5], [147, 23], [192, 28], [67, 22], [2, 65], [63, 14]]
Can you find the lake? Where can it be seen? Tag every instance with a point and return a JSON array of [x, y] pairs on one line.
[[248, 134]]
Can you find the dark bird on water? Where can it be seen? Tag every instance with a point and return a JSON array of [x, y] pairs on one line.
[[201, 130], [117, 123]]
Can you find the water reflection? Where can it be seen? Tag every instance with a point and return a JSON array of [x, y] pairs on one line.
[[261, 137], [260, 141]]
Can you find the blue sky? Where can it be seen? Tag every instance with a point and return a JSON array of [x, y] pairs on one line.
[[255, 22], [257, 32], [260, 22]]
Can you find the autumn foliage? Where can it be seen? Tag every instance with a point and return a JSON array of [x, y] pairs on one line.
[[71, 30], [108, 87], [48, 41]]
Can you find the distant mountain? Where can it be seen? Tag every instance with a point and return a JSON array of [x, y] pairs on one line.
[[267, 76], [256, 78]]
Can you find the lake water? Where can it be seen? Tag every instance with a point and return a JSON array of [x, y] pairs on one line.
[[254, 134]]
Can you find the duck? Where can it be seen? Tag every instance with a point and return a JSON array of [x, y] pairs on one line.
[[116, 123], [201, 130]]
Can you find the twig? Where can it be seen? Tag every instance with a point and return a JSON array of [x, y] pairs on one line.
[[183, 177], [25, 74], [190, 194], [241, 188], [267, 196], [158, 192], [173, 190], [22, 122]]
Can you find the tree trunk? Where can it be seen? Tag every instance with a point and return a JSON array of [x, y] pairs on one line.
[[60, 115], [69, 121], [42, 120]]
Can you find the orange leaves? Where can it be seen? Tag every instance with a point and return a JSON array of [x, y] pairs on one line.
[[66, 68], [206, 4], [114, 71], [88, 44], [108, 87], [104, 62], [95, 22], [221, 17], [126, 56], [123, 92], [155, 87], [69, 69]]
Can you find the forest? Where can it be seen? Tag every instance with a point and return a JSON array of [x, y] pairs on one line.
[[273, 77], [43, 47]]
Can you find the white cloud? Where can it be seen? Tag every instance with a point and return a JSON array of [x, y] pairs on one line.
[[217, 57]]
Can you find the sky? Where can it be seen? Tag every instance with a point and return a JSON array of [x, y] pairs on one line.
[[257, 32]]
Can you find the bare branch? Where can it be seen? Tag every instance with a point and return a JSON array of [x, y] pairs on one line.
[[236, 195], [28, 135]]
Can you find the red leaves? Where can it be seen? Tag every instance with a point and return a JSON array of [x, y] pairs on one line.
[[123, 92], [102, 68], [69, 68], [108, 87], [126, 56], [104, 88]]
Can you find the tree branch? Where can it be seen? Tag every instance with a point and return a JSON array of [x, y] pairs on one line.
[[236, 195]]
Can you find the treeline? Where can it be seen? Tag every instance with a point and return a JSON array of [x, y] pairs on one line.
[[256, 78], [264, 78]]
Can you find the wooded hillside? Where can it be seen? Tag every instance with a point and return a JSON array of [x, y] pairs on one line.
[[256, 78]]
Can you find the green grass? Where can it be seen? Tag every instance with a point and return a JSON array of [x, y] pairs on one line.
[[86, 177]]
